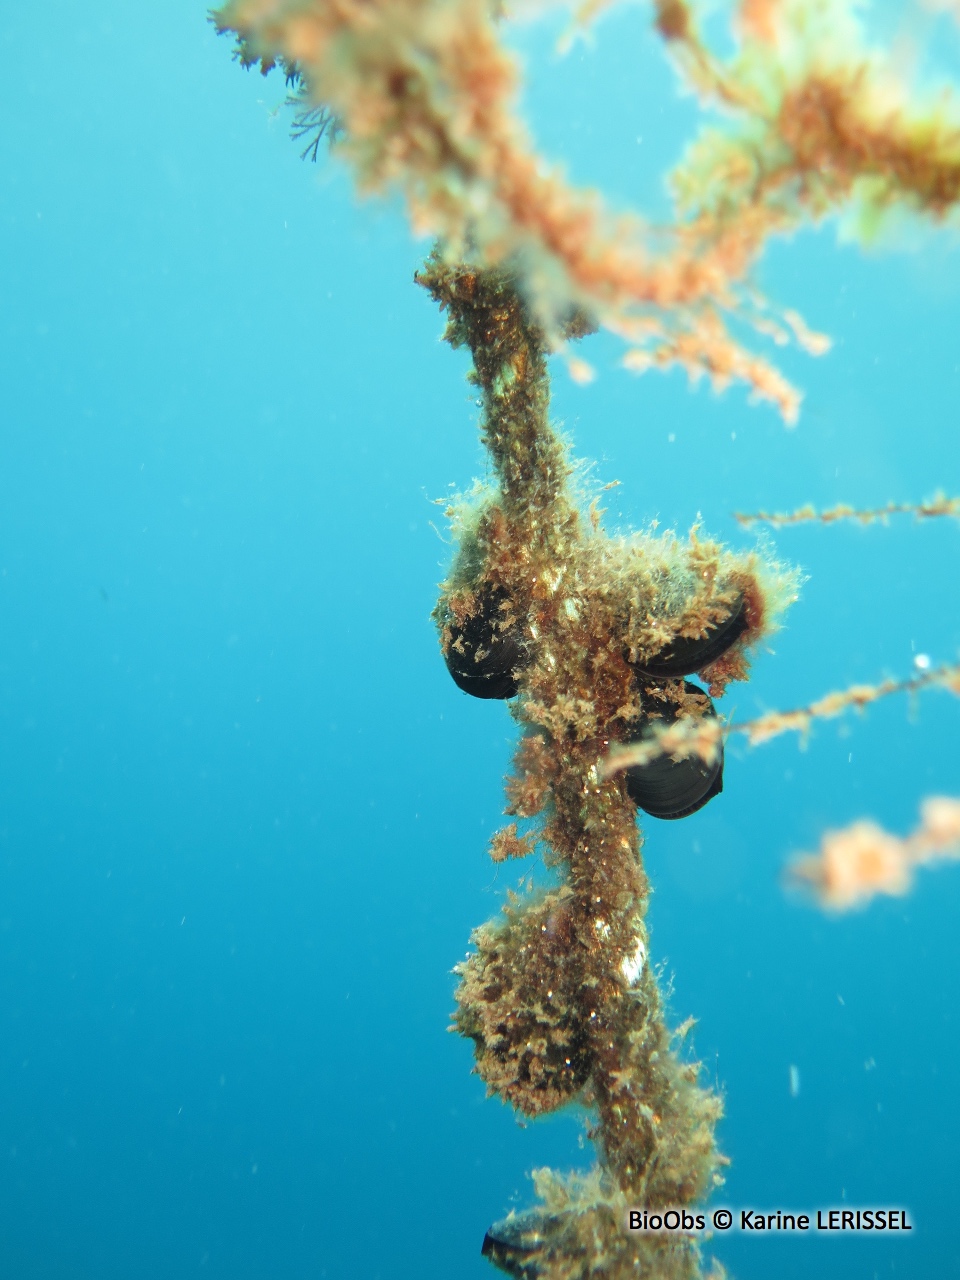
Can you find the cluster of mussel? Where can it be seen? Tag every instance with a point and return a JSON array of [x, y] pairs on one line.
[[485, 654]]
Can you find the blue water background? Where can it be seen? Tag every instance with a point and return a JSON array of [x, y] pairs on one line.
[[243, 810]]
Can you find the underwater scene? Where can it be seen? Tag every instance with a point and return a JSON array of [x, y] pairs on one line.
[[479, 640]]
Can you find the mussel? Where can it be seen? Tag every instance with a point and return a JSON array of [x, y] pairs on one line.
[[683, 656], [515, 1244], [667, 788], [484, 652]]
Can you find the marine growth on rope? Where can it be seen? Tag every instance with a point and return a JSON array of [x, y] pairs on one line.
[[589, 639]]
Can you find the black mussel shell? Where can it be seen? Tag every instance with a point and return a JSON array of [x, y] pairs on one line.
[[683, 656], [483, 654], [667, 788], [515, 1244]]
